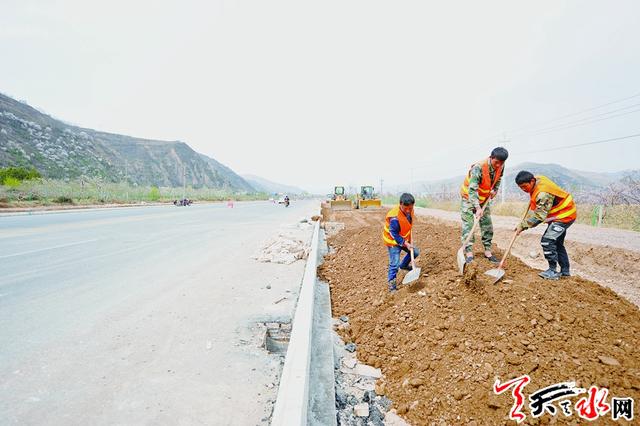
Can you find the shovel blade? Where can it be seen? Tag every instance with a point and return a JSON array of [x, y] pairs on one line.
[[461, 261], [497, 274], [411, 276]]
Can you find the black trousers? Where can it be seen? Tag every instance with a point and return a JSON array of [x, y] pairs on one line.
[[553, 245]]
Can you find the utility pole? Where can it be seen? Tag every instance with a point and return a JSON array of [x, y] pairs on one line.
[[381, 182], [126, 179], [411, 184], [184, 181], [503, 185]]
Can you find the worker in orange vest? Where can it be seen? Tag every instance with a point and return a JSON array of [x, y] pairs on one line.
[[553, 205], [397, 237], [480, 185]]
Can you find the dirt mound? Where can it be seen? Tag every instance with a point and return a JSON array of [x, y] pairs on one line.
[[442, 342], [473, 278]]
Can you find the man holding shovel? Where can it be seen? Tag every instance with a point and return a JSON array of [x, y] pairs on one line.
[[480, 185], [549, 204], [397, 237]]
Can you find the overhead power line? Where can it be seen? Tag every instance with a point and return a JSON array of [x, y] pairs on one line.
[[582, 122], [540, 125], [573, 114], [583, 144], [598, 142]]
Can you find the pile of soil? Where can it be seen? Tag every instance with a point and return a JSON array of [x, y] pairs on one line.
[[443, 341]]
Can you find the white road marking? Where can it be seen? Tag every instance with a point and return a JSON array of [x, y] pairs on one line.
[[47, 248]]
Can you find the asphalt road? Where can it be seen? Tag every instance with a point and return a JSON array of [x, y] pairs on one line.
[[141, 315]]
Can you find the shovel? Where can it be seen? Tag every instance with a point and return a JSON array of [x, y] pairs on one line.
[[498, 273], [414, 273], [461, 260], [460, 256]]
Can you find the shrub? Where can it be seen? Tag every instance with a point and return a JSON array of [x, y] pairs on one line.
[[11, 182], [63, 200], [154, 194], [19, 173], [422, 202], [32, 196]]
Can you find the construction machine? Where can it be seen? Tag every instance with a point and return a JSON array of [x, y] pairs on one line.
[[367, 199], [339, 200]]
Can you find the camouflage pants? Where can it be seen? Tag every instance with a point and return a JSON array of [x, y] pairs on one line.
[[485, 225]]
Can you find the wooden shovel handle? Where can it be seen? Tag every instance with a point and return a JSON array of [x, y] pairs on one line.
[[413, 260], [476, 221], [473, 230], [513, 240]]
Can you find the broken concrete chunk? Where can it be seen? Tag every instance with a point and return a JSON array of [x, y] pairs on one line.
[[351, 347], [349, 362], [366, 387], [367, 370], [392, 419], [283, 249], [361, 410]]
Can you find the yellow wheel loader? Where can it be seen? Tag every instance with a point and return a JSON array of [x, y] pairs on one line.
[[367, 199], [339, 200]]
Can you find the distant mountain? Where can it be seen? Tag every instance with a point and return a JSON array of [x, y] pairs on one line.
[[62, 151], [580, 183], [264, 185]]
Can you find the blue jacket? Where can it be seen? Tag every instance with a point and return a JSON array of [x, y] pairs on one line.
[[394, 229]]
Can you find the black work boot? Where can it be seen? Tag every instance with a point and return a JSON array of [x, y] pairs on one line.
[[565, 273], [550, 274], [492, 259], [392, 286]]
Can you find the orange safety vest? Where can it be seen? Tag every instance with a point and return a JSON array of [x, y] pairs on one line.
[[405, 226], [564, 208], [486, 184]]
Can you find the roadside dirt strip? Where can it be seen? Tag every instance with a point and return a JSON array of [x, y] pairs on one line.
[[444, 341]]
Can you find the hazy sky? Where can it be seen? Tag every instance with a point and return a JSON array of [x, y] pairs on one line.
[[338, 92]]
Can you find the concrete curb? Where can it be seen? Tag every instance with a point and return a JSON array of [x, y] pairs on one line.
[[292, 403]]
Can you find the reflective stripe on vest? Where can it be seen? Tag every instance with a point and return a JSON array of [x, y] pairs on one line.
[[564, 211], [485, 185], [405, 226]]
